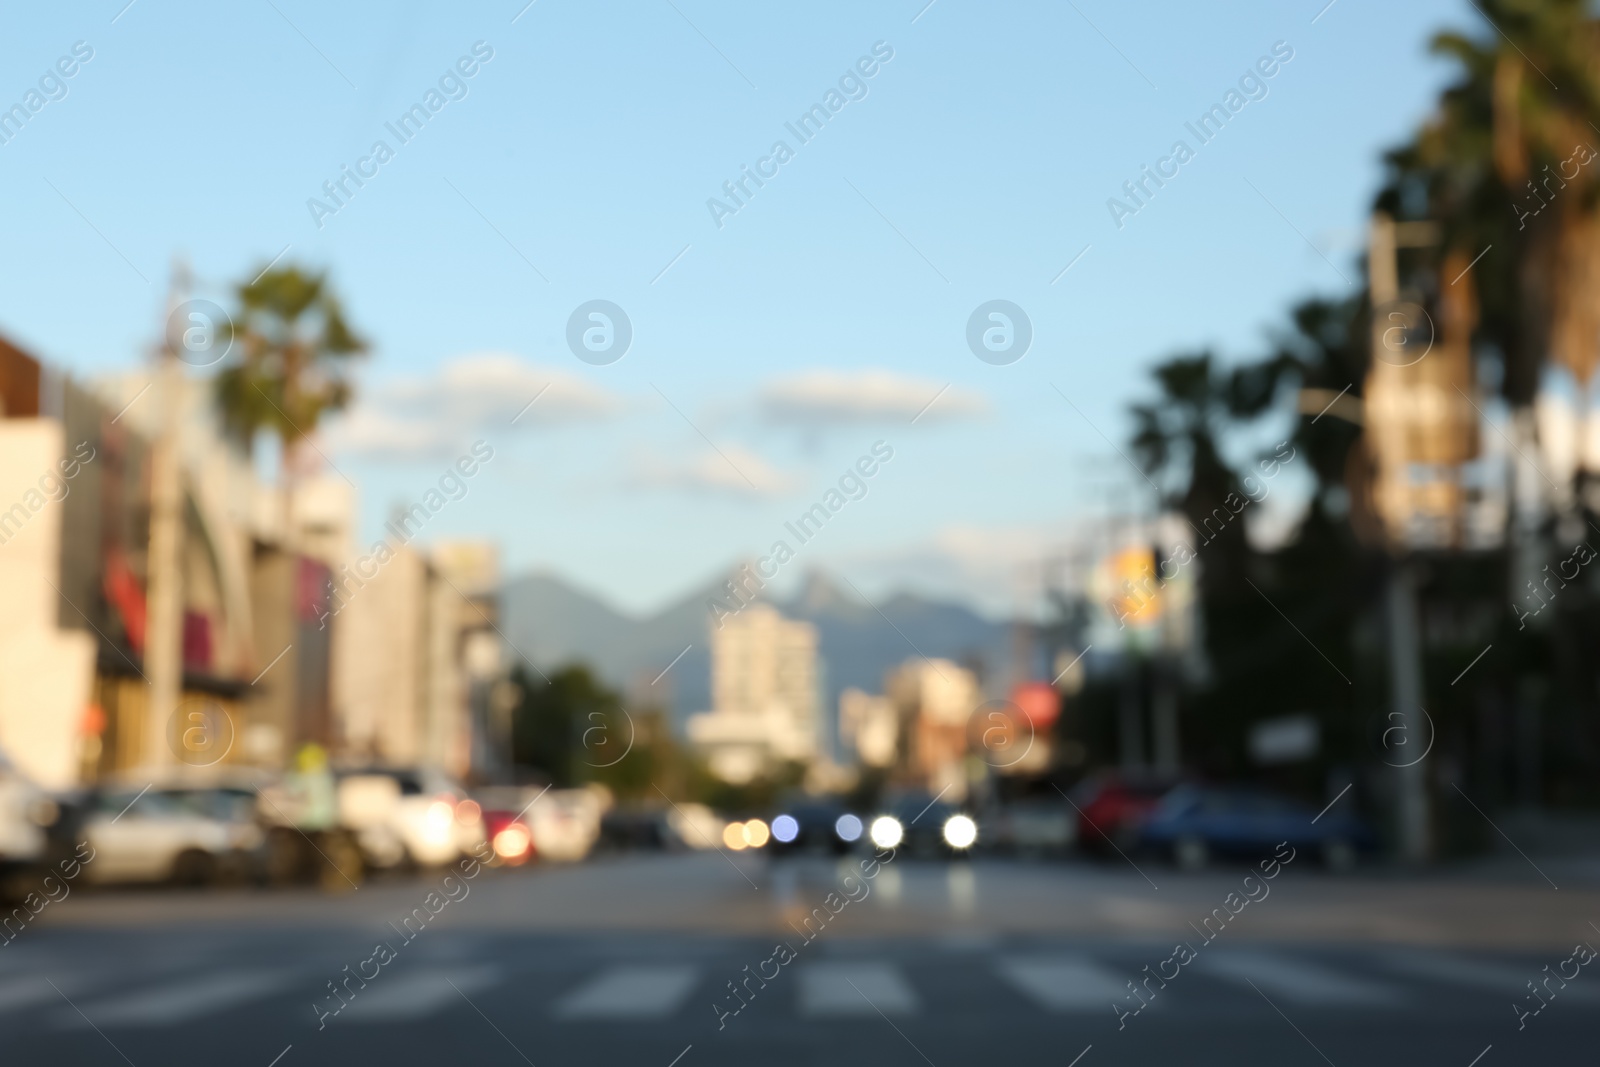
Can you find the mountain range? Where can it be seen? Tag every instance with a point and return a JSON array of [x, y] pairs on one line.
[[551, 623]]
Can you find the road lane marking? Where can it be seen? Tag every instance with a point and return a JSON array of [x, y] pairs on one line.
[[1062, 983], [178, 1002], [418, 994], [631, 992], [1300, 981], [855, 989]]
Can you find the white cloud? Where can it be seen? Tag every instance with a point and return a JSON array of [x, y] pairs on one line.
[[827, 396], [476, 394], [732, 470]]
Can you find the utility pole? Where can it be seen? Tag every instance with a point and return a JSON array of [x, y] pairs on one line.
[[163, 651], [1386, 380]]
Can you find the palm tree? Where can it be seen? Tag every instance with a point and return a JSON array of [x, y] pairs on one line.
[[1176, 436], [1496, 165], [290, 364]]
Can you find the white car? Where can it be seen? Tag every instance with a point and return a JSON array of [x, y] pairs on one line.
[[191, 835], [415, 815]]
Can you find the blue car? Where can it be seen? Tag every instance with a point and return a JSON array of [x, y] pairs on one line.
[[1193, 824]]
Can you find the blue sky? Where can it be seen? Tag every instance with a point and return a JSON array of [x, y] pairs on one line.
[[777, 348]]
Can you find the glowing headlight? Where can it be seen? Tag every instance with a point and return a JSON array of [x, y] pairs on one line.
[[886, 831], [755, 833], [848, 827], [733, 836], [960, 831], [785, 829], [436, 820], [512, 842]]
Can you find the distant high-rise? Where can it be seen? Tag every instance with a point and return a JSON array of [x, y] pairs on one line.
[[935, 699], [764, 691]]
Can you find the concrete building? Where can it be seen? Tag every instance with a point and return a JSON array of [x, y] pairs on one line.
[[935, 699], [271, 657], [870, 724], [415, 652], [764, 692]]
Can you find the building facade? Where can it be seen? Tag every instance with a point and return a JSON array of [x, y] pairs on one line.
[[764, 693]]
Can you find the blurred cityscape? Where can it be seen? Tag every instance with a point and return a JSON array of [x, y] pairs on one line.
[[1316, 606]]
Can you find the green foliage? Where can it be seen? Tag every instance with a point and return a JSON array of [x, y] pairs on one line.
[[754, 797], [554, 718], [290, 362]]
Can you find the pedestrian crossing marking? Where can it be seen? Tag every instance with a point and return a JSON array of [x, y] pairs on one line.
[[180, 1001], [1441, 967], [854, 989], [18, 993], [1063, 983], [1299, 980], [630, 992], [414, 995]]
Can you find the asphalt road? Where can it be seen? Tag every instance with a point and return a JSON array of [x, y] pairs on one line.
[[629, 961]]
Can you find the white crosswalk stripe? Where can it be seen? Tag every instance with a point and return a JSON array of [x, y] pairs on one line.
[[178, 1001], [1063, 983], [416, 994], [1492, 977], [828, 989], [1299, 980], [630, 992], [19, 993]]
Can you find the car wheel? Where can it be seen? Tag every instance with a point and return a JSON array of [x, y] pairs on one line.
[[1191, 853], [1338, 855], [342, 870], [194, 868], [233, 868], [285, 861], [14, 886]]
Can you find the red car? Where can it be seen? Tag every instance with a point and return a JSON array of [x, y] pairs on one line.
[[1112, 806], [511, 838]]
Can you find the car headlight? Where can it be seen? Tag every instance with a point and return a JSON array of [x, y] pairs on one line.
[[756, 833], [733, 836], [512, 842], [960, 831], [436, 820], [785, 828], [886, 831], [848, 827]]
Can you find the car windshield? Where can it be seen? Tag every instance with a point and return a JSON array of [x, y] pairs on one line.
[[148, 804]]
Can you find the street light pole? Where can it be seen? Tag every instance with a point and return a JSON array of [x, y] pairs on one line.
[[1390, 442], [163, 652]]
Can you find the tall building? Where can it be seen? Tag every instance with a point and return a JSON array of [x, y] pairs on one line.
[[935, 699], [870, 725], [401, 635], [764, 692], [291, 632]]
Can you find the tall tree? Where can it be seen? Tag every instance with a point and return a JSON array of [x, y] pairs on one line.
[[1510, 160], [292, 348]]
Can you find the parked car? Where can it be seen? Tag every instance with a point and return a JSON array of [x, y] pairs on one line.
[[635, 829], [566, 822], [505, 823], [1035, 827], [694, 826], [1193, 824], [26, 815], [415, 816], [1112, 806], [192, 835], [814, 825]]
